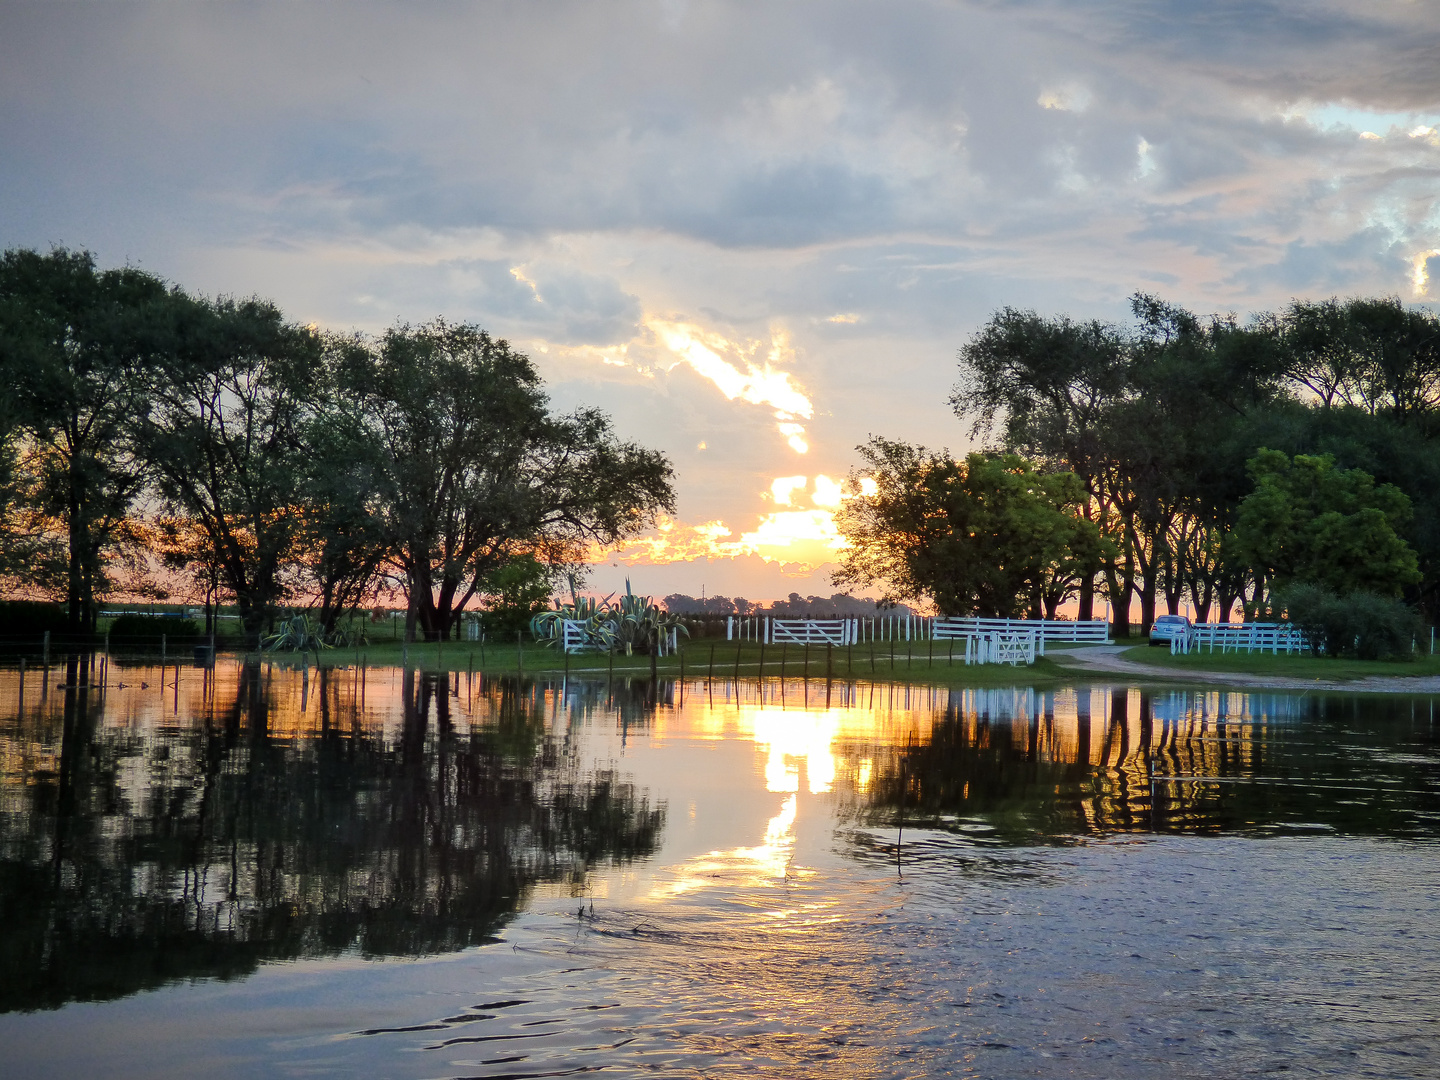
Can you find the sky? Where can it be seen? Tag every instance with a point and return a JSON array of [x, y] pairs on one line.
[[754, 233]]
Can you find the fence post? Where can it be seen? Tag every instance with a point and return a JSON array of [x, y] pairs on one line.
[[729, 627]]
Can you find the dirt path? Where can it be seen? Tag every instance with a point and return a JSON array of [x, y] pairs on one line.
[[1108, 659]]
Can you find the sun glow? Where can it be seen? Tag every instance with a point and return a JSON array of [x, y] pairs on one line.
[[798, 536]]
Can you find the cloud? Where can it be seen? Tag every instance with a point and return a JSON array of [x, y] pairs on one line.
[[764, 229]]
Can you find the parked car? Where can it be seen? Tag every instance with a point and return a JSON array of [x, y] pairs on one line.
[[1167, 628]]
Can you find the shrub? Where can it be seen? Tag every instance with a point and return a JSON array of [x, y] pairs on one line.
[[146, 630], [1359, 624], [30, 618]]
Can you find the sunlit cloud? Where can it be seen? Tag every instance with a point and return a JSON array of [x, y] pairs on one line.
[[1420, 271], [759, 384], [793, 536], [785, 528], [519, 275], [846, 318], [828, 492], [795, 436], [783, 488], [1064, 98]]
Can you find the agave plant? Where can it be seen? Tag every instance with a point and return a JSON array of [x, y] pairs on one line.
[[641, 623], [591, 615], [298, 633], [634, 622]]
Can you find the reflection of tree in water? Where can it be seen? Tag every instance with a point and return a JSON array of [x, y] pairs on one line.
[[203, 848], [1182, 761]]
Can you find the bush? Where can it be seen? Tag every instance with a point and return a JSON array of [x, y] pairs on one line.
[[146, 630], [1359, 624], [30, 618]]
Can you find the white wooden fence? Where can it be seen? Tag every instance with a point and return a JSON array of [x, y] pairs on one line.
[[862, 628], [575, 639], [1096, 630], [997, 648], [1244, 637], [812, 631]]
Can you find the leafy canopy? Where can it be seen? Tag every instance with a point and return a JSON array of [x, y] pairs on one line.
[[1309, 522], [983, 536]]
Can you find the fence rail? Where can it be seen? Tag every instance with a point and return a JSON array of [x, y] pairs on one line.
[[863, 628], [1245, 637], [1096, 630]]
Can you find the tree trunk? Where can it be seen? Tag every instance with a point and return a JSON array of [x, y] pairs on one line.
[[74, 602], [1147, 604], [1087, 598]]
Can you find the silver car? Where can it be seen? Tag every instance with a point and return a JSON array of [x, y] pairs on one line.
[[1167, 628]]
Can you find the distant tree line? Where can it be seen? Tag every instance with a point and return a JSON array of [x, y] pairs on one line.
[[1176, 459], [837, 605], [277, 463]]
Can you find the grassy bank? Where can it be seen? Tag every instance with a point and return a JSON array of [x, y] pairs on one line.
[[1281, 666], [913, 662]]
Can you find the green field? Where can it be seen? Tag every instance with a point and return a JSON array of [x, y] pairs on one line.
[[1282, 666], [910, 662]]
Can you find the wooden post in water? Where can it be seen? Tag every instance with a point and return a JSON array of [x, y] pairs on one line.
[[45, 650], [709, 679], [162, 654], [519, 655], [762, 659], [829, 666]]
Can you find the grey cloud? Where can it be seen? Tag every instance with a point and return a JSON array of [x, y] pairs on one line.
[[751, 164]]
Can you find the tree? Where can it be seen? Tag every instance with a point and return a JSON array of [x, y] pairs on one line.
[[1050, 386], [477, 472], [514, 593], [987, 535], [1309, 523], [76, 349], [225, 437], [1373, 354], [343, 542]]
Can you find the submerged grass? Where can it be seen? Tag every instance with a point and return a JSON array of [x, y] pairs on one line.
[[1281, 665], [911, 662]]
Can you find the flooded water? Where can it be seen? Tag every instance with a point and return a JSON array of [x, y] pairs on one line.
[[267, 872]]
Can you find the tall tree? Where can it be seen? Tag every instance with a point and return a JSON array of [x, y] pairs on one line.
[[344, 542], [1049, 386], [226, 437], [477, 472], [76, 347]]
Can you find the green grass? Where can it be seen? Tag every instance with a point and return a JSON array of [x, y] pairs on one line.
[[860, 662], [1290, 667]]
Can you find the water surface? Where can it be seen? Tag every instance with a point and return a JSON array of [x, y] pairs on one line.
[[264, 871]]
